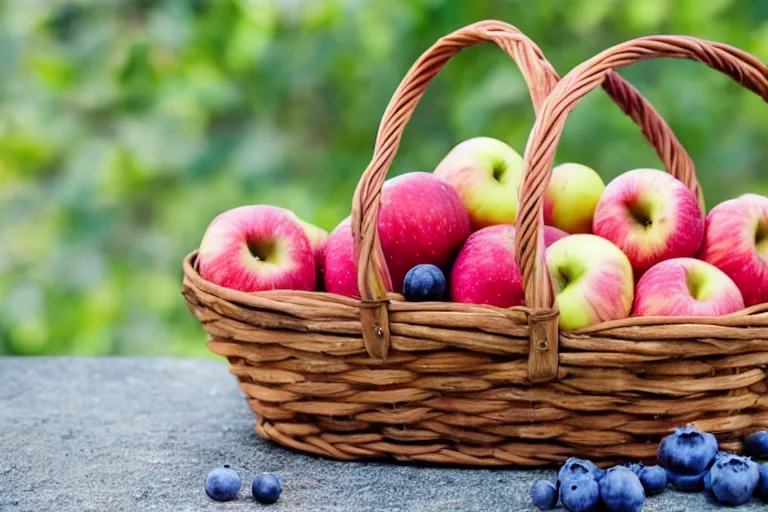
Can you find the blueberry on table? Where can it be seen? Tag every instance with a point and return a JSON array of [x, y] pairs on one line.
[[733, 479], [576, 468], [635, 467], [762, 485], [223, 483], [756, 445], [544, 495], [653, 478], [621, 490], [424, 283], [687, 483], [580, 493], [266, 488], [688, 451]]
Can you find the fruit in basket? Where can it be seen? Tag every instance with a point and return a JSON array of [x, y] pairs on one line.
[[651, 217], [580, 494], [733, 479], [424, 283], [223, 483], [266, 488], [485, 271], [592, 279], [688, 451], [421, 221], [653, 478], [621, 490], [318, 238], [571, 198], [544, 495], [486, 173], [736, 242], [756, 444], [686, 287], [256, 248]]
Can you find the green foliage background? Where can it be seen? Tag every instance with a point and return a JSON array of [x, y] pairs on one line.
[[127, 125]]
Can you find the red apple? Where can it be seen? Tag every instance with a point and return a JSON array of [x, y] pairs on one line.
[[339, 264], [256, 248], [651, 216], [485, 271], [317, 237], [736, 242], [421, 220], [686, 287]]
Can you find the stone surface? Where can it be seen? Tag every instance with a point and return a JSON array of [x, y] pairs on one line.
[[132, 434]]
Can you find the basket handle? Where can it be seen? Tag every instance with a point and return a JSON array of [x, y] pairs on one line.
[[373, 276], [741, 66]]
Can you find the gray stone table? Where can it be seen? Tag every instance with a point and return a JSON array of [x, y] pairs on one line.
[[132, 434]]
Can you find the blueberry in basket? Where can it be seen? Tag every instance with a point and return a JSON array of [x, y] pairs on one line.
[[223, 483], [424, 283]]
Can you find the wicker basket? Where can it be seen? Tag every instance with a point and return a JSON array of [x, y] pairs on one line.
[[479, 385]]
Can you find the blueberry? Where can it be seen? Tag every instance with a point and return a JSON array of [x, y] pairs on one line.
[[544, 495], [575, 468], [653, 478], [762, 486], [733, 479], [266, 488], [688, 451], [686, 483], [756, 445], [223, 483], [635, 467], [424, 283], [580, 493], [707, 481], [621, 490]]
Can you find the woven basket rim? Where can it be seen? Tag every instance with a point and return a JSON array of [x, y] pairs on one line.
[[738, 319]]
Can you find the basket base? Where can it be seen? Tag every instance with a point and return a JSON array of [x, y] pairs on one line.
[[370, 446]]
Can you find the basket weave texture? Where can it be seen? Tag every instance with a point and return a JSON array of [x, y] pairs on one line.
[[379, 377]]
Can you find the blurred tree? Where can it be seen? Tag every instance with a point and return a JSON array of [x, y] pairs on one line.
[[127, 125]]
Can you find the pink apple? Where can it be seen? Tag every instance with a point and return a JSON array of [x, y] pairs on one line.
[[421, 220], [736, 242], [317, 237], [339, 264], [256, 248], [592, 279], [486, 174], [651, 216], [686, 287], [485, 271]]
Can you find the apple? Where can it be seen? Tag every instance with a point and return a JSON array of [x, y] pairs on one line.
[[317, 237], [485, 271], [256, 248], [651, 216], [486, 174], [571, 198], [421, 221], [592, 278], [686, 287], [736, 242]]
